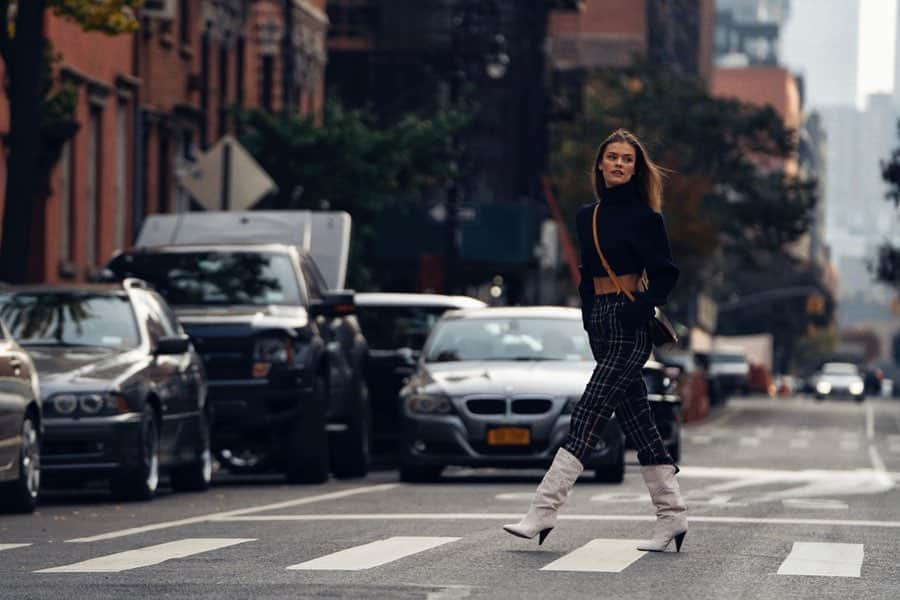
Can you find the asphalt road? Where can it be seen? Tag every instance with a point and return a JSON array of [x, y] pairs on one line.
[[788, 498]]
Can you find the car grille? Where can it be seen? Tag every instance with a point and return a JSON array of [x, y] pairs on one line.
[[517, 405], [226, 358], [486, 406], [531, 406]]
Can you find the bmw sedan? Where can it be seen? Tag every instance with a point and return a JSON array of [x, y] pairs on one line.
[[20, 428], [496, 387], [123, 392], [839, 380]]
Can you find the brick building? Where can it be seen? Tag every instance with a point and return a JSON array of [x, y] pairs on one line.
[[149, 102]]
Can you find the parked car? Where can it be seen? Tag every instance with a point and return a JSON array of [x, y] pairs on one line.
[[21, 427], [496, 387], [839, 380], [284, 355], [123, 391], [728, 372], [396, 326], [666, 404]]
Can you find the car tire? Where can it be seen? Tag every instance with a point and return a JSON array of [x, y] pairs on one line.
[[350, 448], [141, 482], [614, 473], [307, 444], [196, 475], [420, 474], [21, 495]]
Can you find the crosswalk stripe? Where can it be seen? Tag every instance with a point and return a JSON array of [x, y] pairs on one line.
[[11, 546], [373, 554], [800, 443], [145, 557], [600, 555], [824, 560]]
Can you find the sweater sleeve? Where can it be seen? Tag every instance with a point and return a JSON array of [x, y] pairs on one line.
[[656, 255], [586, 284]]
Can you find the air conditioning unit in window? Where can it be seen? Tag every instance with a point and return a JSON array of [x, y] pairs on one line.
[[158, 9]]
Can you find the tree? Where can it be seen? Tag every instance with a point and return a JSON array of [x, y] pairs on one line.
[[721, 204], [887, 265], [349, 162], [40, 112]]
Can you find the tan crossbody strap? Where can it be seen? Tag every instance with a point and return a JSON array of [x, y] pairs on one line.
[[606, 266]]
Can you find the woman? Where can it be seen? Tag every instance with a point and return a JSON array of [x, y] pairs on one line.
[[633, 239]]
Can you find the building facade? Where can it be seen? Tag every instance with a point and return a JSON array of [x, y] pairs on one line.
[[149, 102]]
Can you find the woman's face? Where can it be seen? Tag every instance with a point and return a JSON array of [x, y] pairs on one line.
[[617, 163]]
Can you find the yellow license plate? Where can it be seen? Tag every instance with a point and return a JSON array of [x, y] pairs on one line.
[[509, 436]]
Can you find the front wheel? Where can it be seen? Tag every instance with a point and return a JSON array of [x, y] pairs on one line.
[[307, 444], [21, 495], [196, 475], [141, 482], [350, 448]]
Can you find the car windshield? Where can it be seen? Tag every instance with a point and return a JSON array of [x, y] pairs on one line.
[[727, 358], [214, 278], [508, 339], [392, 327], [70, 319], [840, 369]]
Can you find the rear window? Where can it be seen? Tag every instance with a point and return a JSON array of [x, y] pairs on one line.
[[70, 319], [214, 278], [392, 327]]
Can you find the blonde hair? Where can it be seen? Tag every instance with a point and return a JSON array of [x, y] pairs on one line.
[[647, 174]]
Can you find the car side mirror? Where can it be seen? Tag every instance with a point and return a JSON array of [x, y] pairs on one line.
[[334, 303], [173, 345]]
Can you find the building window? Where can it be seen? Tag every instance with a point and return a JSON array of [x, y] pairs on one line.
[[268, 81], [184, 23], [66, 228], [352, 18], [94, 183], [239, 70], [121, 173], [223, 91], [204, 87]]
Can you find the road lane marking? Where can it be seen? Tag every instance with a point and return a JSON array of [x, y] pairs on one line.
[[749, 442], [373, 554], [12, 546], [815, 504], [764, 431], [699, 439], [877, 463], [823, 560], [870, 422], [599, 556], [574, 517], [231, 513], [148, 556], [799, 443]]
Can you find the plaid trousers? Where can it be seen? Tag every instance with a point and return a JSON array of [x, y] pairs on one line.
[[616, 385]]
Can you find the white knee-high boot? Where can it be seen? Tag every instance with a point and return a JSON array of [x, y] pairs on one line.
[[549, 497], [671, 511]]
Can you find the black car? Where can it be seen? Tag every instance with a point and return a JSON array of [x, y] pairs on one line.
[[123, 391], [283, 354], [665, 403], [395, 326], [20, 427]]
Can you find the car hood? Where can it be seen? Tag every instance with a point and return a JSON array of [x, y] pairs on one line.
[[840, 380], [556, 378], [98, 368], [254, 317]]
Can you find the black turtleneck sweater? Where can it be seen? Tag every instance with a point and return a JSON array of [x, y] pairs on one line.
[[633, 238]]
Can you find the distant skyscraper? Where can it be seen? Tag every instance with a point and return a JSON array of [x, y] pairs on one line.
[[821, 41]]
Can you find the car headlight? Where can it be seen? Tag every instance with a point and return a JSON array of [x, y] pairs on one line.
[[429, 404], [272, 349], [823, 387], [857, 388], [89, 404]]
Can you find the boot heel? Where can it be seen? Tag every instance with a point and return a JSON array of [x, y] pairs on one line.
[[543, 534], [678, 540]]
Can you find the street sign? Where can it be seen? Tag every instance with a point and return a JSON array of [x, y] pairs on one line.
[[227, 178]]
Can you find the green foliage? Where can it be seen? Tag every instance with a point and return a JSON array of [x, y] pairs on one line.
[[813, 348], [106, 16], [887, 266], [348, 162]]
